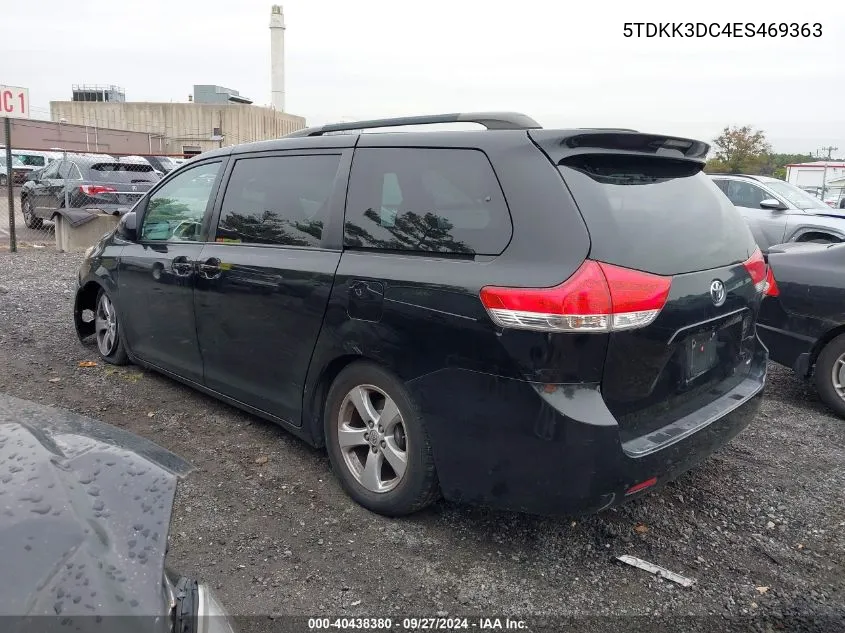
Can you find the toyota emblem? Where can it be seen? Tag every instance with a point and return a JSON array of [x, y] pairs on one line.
[[718, 292]]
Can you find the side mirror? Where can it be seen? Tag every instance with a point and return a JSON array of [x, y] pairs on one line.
[[772, 204], [127, 227]]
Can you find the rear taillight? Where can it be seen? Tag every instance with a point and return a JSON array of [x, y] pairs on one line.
[[756, 267], [93, 190], [598, 297], [771, 288]]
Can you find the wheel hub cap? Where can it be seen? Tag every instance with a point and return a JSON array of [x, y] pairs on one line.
[[105, 325], [367, 425]]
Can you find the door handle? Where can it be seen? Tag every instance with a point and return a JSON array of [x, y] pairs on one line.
[[181, 265], [210, 268]]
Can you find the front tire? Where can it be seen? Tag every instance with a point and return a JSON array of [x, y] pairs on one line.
[[29, 217], [4, 180], [377, 442], [107, 331], [830, 375]]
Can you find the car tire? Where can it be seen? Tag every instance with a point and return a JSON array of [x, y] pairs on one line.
[[359, 398], [107, 331], [830, 372], [4, 180], [29, 217]]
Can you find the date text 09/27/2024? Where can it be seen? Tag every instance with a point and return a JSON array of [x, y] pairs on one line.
[[719, 29], [417, 624]]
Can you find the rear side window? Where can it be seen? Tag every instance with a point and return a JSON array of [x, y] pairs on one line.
[[744, 194], [121, 172], [278, 200], [426, 200], [658, 215], [32, 160]]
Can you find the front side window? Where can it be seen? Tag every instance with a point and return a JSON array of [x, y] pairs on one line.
[[175, 211], [426, 200], [796, 196], [278, 200]]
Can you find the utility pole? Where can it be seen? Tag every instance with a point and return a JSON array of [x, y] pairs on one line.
[[829, 149]]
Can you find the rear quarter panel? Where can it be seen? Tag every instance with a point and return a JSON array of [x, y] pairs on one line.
[[811, 283]]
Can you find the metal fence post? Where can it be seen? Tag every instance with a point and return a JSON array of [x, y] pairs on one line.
[[64, 183], [10, 181]]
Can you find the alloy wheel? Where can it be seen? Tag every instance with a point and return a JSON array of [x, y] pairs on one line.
[[105, 325], [837, 376], [372, 439]]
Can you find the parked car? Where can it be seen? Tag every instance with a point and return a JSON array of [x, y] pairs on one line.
[[779, 212], [163, 164], [835, 200], [803, 321], [86, 512], [85, 181], [492, 315], [19, 171]]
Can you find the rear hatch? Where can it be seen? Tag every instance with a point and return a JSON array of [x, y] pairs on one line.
[[649, 208], [117, 184]]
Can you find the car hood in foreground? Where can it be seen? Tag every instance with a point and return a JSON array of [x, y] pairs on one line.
[[84, 515]]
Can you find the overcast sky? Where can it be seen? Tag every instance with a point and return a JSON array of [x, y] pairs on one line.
[[564, 63]]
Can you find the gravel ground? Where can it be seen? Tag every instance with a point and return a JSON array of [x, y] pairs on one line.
[[760, 526]]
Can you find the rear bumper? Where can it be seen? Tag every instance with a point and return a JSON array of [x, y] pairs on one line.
[[521, 446]]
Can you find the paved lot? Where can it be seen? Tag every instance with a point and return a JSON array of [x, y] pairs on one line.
[[760, 526], [26, 238]]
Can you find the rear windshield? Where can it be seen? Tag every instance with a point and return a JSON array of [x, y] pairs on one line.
[[655, 214], [122, 172]]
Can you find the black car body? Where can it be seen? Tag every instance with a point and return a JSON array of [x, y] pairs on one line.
[[568, 314], [802, 322], [83, 531], [85, 181]]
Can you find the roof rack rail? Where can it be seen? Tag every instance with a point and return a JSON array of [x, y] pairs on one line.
[[490, 120], [610, 129]]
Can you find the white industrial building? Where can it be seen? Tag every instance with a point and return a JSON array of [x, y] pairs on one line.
[[815, 174], [212, 117]]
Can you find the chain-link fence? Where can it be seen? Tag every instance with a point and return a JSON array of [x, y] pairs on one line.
[[95, 158], [66, 200]]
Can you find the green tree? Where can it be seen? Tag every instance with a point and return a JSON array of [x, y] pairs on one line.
[[409, 231], [740, 150]]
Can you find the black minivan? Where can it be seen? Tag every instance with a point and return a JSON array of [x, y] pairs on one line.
[[550, 321]]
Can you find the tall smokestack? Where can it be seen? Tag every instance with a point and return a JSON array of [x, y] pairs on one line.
[[277, 57]]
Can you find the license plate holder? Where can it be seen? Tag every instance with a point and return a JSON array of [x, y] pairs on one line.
[[702, 354]]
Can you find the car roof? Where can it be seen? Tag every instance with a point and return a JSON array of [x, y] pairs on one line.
[[757, 177], [500, 126]]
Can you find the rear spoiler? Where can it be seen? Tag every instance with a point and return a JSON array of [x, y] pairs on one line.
[[561, 144]]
